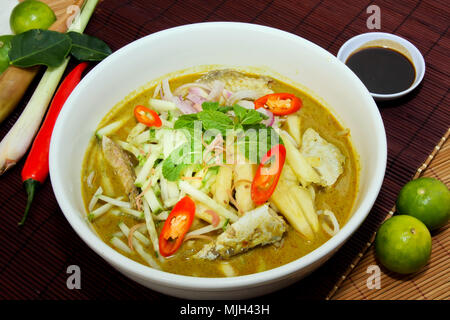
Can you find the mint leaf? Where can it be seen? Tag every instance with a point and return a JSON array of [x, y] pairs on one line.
[[214, 106], [247, 116], [209, 105], [215, 120], [173, 166], [186, 121]]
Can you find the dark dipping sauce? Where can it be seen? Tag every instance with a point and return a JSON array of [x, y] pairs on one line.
[[382, 70]]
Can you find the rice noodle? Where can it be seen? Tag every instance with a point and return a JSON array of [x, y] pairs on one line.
[[119, 244], [137, 214], [167, 94], [136, 234], [114, 202], [144, 255], [157, 90], [94, 199], [101, 210], [324, 214], [90, 179]]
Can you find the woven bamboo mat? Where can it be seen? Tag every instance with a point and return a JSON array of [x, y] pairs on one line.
[[433, 282], [34, 259]]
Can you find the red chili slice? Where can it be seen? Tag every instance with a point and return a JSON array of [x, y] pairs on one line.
[[268, 174], [279, 104], [147, 116], [176, 226]]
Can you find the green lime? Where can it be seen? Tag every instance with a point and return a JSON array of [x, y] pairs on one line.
[[427, 199], [31, 14], [5, 45], [403, 244]]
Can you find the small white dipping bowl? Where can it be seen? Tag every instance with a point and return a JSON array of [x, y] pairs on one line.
[[390, 41], [228, 44]]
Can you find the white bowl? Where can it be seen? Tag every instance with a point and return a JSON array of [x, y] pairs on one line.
[[394, 42], [228, 44]]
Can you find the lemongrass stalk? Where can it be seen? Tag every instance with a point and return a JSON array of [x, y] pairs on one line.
[[15, 144]]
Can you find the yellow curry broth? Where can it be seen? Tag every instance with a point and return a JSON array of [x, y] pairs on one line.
[[339, 198]]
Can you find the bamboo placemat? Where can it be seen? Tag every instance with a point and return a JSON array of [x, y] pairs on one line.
[[433, 282], [34, 259]]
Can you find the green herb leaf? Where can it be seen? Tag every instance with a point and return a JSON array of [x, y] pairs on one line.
[[259, 143], [209, 105], [88, 48], [37, 46], [186, 121], [174, 165], [247, 116], [215, 120], [224, 227], [214, 106]]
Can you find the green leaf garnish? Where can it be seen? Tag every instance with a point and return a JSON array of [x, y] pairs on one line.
[[88, 48], [39, 47]]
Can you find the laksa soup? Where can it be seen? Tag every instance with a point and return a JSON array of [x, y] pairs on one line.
[[219, 174]]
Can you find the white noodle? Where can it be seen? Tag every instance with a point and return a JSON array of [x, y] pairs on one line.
[[144, 255], [151, 226], [136, 234], [324, 214], [119, 244], [94, 199], [115, 202], [137, 214]]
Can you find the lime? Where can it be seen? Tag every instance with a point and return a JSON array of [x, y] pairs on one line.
[[5, 45], [427, 199], [403, 244], [31, 14]]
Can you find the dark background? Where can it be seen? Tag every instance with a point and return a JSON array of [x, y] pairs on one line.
[[34, 259]]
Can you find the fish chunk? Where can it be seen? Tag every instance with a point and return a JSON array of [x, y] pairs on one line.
[[119, 160], [323, 156], [257, 227], [237, 81]]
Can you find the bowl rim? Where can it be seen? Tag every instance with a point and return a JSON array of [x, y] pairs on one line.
[[172, 280], [359, 40]]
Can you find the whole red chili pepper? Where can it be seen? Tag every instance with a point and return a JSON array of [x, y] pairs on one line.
[[35, 170]]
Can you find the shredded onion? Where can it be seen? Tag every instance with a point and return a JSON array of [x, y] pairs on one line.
[[244, 94], [216, 90], [185, 106], [215, 217], [247, 104], [181, 90], [268, 122], [131, 232], [195, 98]]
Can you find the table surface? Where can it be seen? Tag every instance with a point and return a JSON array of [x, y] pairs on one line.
[[34, 259]]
